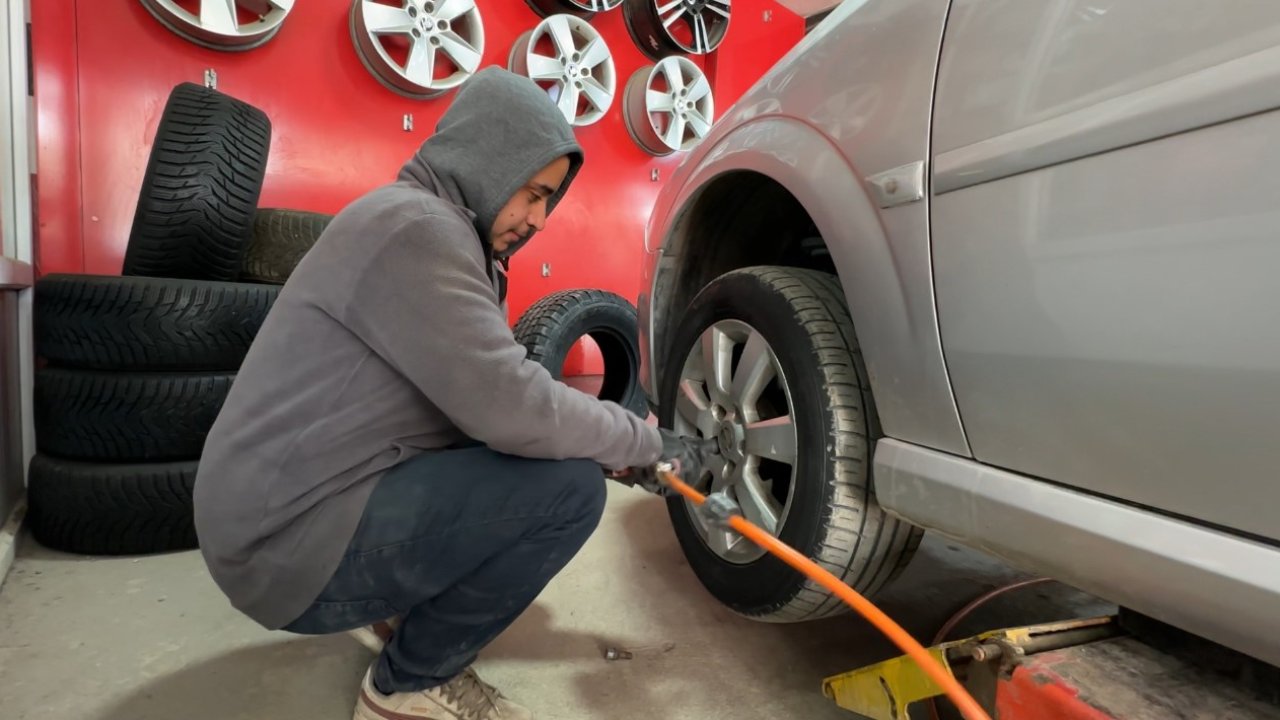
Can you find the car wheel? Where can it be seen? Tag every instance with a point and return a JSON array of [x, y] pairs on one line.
[[765, 361]]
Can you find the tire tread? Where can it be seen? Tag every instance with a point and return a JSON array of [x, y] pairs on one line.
[[126, 417], [137, 323], [204, 177], [111, 509]]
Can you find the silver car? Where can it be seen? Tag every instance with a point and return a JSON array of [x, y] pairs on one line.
[[1004, 270]]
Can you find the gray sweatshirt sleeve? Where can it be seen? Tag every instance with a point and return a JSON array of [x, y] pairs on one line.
[[424, 303]]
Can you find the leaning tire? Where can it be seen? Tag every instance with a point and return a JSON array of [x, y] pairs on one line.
[[126, 417], [133, 323], [194, 216], [554, 324], [784, 343], [111, 509], [280, 239]]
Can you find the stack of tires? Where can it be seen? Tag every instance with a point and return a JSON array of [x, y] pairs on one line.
[[135, 368]]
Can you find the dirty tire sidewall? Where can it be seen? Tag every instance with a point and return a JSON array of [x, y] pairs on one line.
[[126, 417], [549, 328], [132, 323], [281, 238], [194, 217], [112, 509], [833, 518]]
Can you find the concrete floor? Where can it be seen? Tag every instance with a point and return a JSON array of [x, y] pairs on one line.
[[153, 639]]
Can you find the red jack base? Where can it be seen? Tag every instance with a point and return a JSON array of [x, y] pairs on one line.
[[1120, 679]]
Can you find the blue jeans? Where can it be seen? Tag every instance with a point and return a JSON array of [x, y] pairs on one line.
[[459, 543]]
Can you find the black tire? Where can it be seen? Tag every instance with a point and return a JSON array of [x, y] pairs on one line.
[[280, 239], [195, 209], [111, 509], [834, 518], [551, 327], [126, 417], [131, 323]]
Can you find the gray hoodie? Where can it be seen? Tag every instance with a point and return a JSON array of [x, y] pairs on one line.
[[389, 340]]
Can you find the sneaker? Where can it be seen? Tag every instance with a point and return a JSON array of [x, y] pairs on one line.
[[466, 697], [376, 636]]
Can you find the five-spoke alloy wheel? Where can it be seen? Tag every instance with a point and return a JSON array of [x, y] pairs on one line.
[[223, 24], [669, 106], [566, 56], [418, 48]]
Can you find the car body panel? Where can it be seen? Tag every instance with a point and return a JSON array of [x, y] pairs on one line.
[[877, 123], [1208, 582], [1012, 64], [1100, 249], [1108, 321]]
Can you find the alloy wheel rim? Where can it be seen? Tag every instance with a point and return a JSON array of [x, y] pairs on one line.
[[442, 42], [669, 106], [732, 389], [219, 24], [662, 27], [582, 8], [569, 59]]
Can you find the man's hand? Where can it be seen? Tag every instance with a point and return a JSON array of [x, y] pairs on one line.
[[686, 455]]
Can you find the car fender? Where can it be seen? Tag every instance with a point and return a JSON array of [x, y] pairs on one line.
[[890, 296]]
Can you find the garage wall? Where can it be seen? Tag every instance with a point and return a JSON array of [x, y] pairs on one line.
[[104, 69]]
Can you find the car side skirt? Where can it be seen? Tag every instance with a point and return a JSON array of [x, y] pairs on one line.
[[1221, 586]]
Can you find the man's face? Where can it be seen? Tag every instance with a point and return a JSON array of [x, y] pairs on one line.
[[526, 211]]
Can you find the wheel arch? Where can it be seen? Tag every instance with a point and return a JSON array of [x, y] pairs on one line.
[[753, 199]]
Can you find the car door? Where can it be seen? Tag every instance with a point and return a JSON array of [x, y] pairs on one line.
[[1105, 232]]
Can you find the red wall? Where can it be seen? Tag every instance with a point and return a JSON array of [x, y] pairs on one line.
[[104, 69]]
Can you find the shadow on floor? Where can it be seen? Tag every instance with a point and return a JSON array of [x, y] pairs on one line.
[[694, 659], [288, 679]]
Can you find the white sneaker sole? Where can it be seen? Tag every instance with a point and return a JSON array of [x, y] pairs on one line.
[[375, 636], [368, 638]]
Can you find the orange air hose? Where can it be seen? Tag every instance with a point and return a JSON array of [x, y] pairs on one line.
[[962, 699]]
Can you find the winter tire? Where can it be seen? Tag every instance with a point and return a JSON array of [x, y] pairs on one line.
[[111, 509], [126, 417], [765, 360], [280, 239], [551, 327], [135, 323], [194, 217]]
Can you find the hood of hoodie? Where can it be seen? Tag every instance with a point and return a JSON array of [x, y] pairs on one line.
[[500, 130]]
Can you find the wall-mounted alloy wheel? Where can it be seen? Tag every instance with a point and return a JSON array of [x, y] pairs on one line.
[[664, 27], [223, 24], [669, 106], [572, 62], [581, 8], [418, 48]]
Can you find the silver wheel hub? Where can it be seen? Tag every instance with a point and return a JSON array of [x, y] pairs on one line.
[[732, 390], [731, 441]]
